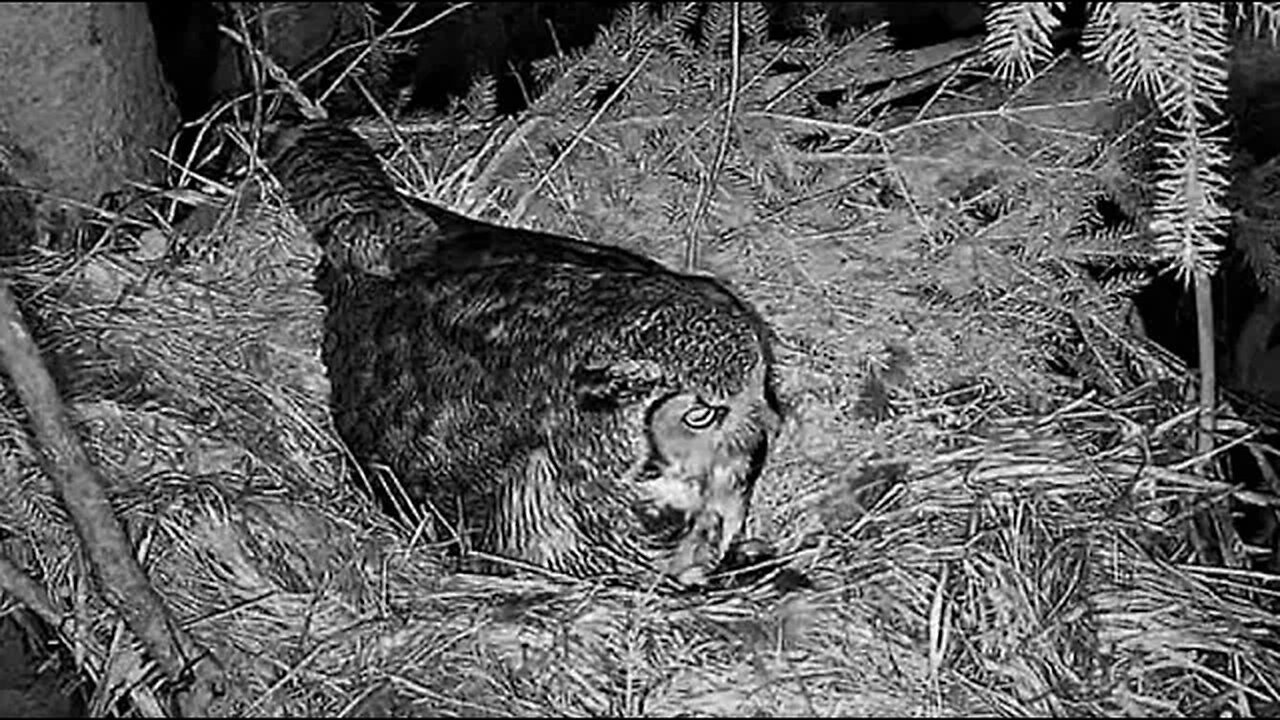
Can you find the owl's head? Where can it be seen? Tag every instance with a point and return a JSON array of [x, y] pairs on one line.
[[695, 487], [697, 457]]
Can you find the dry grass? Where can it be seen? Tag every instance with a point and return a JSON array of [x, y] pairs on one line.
[[983, 537]]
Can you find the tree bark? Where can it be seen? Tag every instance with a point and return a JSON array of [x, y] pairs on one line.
[[82, 103], [82, 96]]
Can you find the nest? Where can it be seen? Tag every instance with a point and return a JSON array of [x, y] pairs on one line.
[[980, 535]]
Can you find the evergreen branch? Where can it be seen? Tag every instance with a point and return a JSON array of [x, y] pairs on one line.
[[1198, 70], [815, 29], [1190, 187], [1126, 283], [1263, 18], [633, 22], [681, 18], [1018, 37], [1133, 43], [369, 47], [715, 26], [755, 22], [1189, 215], [481, 102]]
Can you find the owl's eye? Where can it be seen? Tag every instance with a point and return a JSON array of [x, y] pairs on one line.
[[701, 417]]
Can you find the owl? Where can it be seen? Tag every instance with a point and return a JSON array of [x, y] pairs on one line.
[[545, 400]]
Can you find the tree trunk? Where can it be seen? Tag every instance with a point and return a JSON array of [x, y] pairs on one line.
[[82, 98]]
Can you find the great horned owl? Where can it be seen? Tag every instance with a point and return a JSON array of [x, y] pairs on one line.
[[566, 404]]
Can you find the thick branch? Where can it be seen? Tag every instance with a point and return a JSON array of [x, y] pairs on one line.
[[120, 579]]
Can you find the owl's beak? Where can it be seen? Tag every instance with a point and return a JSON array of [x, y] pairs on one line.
[[702, 548]]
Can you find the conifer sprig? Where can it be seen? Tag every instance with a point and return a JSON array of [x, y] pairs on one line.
[[1018, 36], [1174, 54]]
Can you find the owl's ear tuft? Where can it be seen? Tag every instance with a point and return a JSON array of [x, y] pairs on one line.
[[613, 386]]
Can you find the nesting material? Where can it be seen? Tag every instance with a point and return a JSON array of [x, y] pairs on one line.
[[981, 535]]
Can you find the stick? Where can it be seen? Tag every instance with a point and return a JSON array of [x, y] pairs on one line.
[[692, 248], [120, 579]]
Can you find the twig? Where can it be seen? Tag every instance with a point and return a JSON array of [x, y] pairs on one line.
[[390, 34], [373, 129], [692, 247], [556, 192], [1208, 373], [641, 120], [480, 185], [452, 187], [1005, 113], [1002, 112], [941, 92], [693, 134], [877, 29], [395, 132], [309, 109], [525, 199], [120, 579], [175, 194], [255, 73], [814, 123], [370, 45]]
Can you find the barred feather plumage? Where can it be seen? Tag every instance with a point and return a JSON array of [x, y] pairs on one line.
[[512, 378]]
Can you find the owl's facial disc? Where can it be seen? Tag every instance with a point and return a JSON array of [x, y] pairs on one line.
[[696, 485]]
